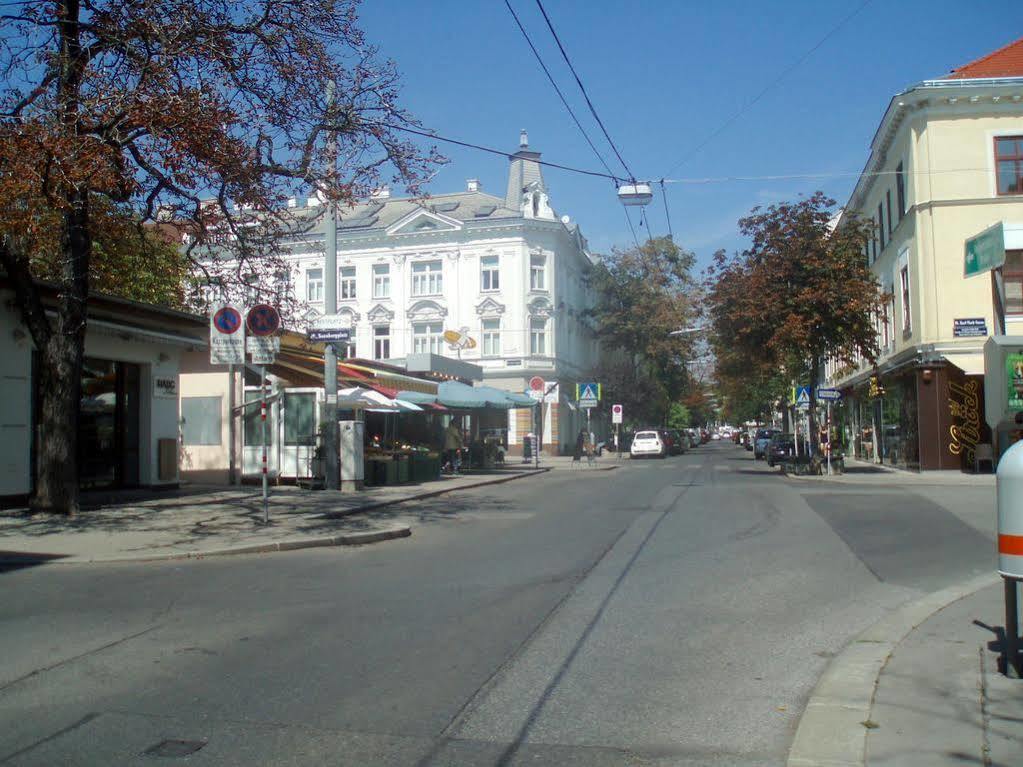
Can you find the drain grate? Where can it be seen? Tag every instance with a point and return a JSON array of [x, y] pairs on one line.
[[174, 748]]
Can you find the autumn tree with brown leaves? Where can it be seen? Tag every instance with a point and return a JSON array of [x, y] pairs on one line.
[[212, 112], [800, 294]]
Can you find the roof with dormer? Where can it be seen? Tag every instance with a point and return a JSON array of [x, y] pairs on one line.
[[1007, 61]]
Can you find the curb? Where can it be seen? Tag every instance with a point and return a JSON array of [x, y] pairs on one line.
[[831, 732], [347, 539]]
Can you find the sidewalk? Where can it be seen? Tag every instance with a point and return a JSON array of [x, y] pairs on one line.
[[863, 473], [920, 688], [197, 521]]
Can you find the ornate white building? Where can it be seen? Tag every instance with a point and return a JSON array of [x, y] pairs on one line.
[[506, 271]]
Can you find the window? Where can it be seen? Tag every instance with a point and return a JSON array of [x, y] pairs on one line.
[[200, 420], [427, 278], [1012, 278], [1009, 164], [314, 285], [300, 418], [347, 283], [382, 342], [880, 226], [900, 189], [888, 210], [491, 332], [427, 337], [490, 274], [251, 283], [538, 272], [538, 336], [873, 241], [350, 349], [906, 315], [381, 281], [252, 423]]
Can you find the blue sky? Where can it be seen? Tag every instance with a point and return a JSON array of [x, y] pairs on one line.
[[666, 75]]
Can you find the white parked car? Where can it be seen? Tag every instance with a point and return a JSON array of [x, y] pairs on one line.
[[648, 443]]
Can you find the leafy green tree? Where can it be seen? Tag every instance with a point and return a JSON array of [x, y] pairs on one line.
[[801, 293], [678, 416], [642, 295]]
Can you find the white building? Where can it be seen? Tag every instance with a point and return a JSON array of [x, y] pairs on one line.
[[506, 271]]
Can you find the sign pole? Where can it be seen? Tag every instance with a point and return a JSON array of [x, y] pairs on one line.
[[828, 448], [262, 429], [232, 474], [329, 419]]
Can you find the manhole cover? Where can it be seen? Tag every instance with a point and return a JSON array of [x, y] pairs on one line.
[[174, 748]]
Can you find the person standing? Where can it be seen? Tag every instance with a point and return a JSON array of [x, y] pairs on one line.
[[579, 442], [452, 446]]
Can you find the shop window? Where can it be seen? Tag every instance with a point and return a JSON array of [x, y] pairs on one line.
[[490, 274], [201, 420], [252, 423], [346, 283], [491, 332], [382, 342], [1009, 164], [1012, 278], [314, 285], [381, 281], [300, 419]]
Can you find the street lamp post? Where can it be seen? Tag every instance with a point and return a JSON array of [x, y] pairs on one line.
[[329, 419]]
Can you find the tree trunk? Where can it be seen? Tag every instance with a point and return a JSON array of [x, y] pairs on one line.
[[60, 372]]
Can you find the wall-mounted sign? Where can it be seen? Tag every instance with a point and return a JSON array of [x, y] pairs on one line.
[[1014, 376], [165, 386], [227, 337], [969, 327], [986, 251]]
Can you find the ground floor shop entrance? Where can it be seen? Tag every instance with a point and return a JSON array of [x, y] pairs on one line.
[[108, 427]]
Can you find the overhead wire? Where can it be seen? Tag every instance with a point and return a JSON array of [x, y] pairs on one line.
[[667, 214], [763, 92], [561, 95], [579, 82]]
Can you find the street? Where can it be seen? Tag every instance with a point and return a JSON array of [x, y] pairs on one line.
[[669, 612]]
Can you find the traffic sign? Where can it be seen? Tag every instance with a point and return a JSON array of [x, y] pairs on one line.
[[227, 337], [587, 393], [536, 387], [985, 252], [803, 397], [829, 395], [263, 320], [329, 335], [263, 349], [616, 414]]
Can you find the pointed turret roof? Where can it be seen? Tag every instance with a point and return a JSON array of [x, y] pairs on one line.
[[524, 171], [1005, 62]]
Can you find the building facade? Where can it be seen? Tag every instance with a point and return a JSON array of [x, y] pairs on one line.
[[505, 271], [946, 164]]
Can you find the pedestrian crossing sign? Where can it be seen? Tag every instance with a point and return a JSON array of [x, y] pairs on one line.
[[803, 397], [588, 394]]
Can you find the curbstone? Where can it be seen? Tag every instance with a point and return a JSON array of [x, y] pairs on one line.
[[831, 731]]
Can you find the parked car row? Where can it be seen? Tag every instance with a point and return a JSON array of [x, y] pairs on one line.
[[661, 443]]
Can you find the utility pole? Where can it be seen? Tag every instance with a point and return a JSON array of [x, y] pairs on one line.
[[329, 415]]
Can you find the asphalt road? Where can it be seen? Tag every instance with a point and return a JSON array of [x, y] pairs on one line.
[[673, 612]]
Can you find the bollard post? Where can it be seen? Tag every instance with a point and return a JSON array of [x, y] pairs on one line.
[[1009, 487]]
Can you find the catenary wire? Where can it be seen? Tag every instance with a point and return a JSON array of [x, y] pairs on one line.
[[667, 214], [561, 95], [579, 82], [763, 92]]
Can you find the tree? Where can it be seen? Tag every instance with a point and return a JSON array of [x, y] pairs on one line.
[[678, 416], [210, 111], [800, 294], [642, 295]]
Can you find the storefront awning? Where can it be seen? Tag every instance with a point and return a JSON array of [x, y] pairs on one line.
[[972, 364]]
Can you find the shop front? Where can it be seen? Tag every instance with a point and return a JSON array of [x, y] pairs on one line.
[[922, 416]]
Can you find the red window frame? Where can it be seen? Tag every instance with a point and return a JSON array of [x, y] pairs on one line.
[[1017, 157]]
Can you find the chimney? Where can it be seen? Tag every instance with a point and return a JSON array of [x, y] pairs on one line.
[[472, 185]]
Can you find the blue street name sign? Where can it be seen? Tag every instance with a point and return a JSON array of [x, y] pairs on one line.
[[829, 395], [329, 335]]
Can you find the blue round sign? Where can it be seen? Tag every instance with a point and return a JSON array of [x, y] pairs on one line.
[[263, 320], [227, 320]]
